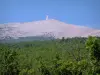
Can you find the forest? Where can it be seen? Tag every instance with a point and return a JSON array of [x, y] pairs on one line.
[[66, 56]]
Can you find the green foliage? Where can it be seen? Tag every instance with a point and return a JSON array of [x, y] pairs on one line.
[[71, 56], [27, 72], [93, 45], [9, 64]]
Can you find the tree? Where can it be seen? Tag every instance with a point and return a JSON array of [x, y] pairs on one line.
[[63, 39], [93, 45]]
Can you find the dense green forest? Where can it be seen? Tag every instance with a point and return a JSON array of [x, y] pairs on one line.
[[71, 56]]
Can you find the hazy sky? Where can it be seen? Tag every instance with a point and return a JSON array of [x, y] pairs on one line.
[[79, 12]]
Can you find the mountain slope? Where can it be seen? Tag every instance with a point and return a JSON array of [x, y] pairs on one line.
[[45, 28]]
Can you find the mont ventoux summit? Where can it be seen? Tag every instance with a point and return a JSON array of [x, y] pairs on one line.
[[45, 27]]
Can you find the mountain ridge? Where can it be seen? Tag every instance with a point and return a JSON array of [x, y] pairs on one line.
[[49, 27]]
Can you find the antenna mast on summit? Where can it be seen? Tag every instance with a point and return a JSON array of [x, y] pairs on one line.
[[46, 17]]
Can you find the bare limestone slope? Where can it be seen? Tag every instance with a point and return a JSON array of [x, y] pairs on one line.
[[45, 27]]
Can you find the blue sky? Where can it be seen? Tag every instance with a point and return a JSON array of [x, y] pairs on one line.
[[79, 12]]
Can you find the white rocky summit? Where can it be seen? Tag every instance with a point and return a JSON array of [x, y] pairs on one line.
[[48, 26]]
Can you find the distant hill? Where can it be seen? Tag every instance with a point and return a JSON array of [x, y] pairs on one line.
[[45, 28]]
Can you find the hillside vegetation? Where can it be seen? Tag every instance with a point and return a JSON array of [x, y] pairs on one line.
[[71, 56]]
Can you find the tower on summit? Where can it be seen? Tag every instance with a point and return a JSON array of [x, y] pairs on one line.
[[46, 17]]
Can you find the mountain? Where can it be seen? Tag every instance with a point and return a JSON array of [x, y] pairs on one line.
[[45, 28]]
